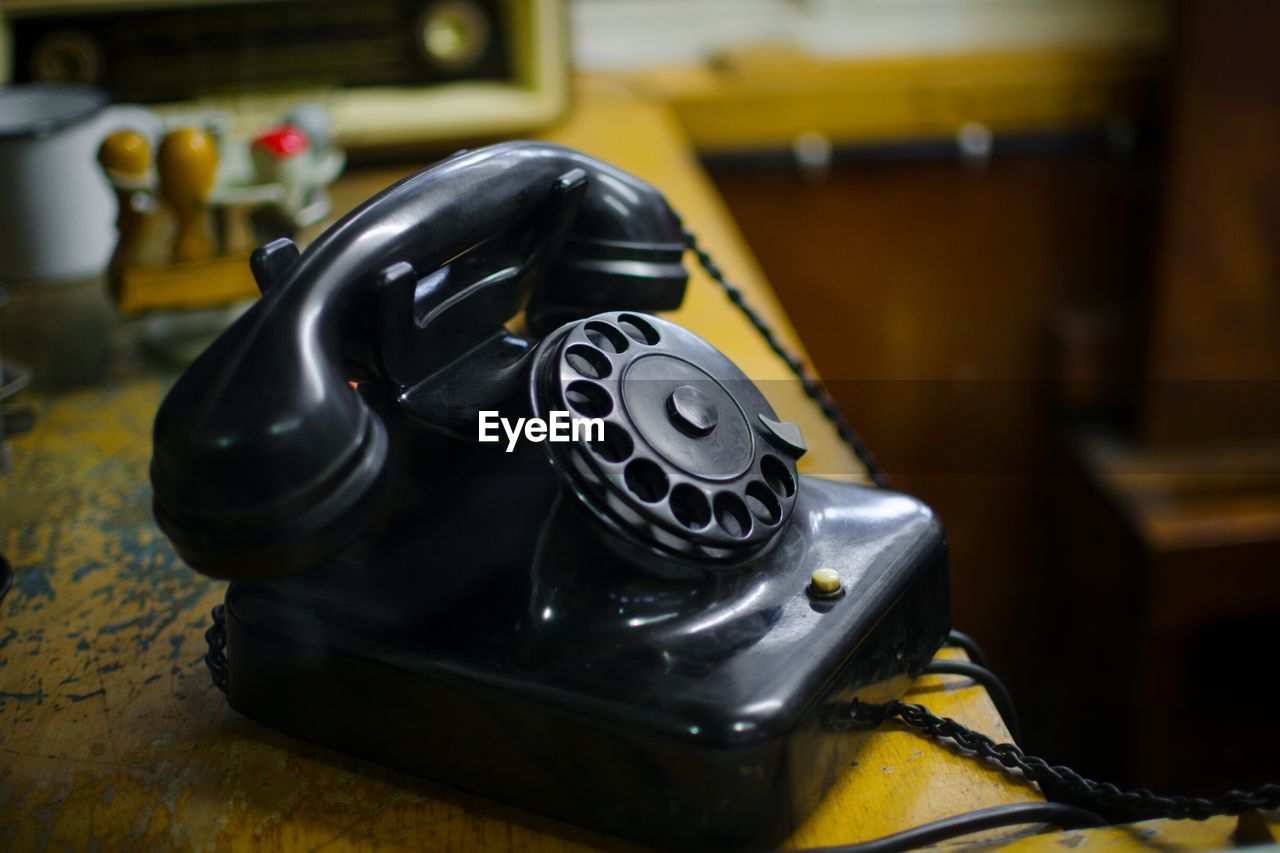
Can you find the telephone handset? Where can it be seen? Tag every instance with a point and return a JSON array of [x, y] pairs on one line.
[[265, 460], [623, 629]]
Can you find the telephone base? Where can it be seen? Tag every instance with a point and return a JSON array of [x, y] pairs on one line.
[[721, 727]]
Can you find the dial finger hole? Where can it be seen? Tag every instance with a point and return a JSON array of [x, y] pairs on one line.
[[690, 507], [731, 515], [778, 476], [638, 329], [588, 399], [615, 445], [606, 337], [763, 503], [588, 361], [646, 480]]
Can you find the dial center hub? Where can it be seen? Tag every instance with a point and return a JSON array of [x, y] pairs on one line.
[[687, 416], [692, 411]]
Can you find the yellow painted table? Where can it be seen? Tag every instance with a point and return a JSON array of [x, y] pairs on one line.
[[110, 730]]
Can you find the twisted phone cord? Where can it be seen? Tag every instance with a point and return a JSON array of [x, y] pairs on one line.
[[1064, 784], [813, 389], [216, 657]]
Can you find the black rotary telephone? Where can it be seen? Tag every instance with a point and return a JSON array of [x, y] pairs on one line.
[[622, 629]]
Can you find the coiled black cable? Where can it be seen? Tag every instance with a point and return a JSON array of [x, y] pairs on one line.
[[1066, 817], [1000, 694], [961, 640]]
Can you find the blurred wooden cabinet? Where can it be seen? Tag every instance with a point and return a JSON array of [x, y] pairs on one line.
[[1125, 579], [1213, 343], [1179, 606]]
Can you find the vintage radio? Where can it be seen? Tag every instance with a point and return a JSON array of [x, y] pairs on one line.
[[391, 72]]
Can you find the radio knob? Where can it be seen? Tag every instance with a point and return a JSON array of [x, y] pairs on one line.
[[453, 34]]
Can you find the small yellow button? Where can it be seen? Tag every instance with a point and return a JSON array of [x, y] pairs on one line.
[[825, 583]]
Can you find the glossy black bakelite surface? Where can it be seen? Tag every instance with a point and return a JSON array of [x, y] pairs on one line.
[[519, 652], [616, 630]]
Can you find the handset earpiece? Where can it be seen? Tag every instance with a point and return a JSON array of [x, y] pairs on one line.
[[625, 251], [266, 461]]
